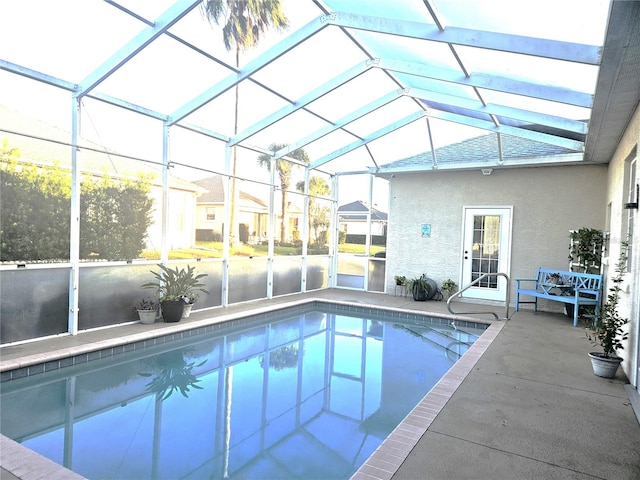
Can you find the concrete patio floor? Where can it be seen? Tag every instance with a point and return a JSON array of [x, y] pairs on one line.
[[530, 406]]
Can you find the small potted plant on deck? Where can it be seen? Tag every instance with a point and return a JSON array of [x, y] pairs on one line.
[[173, 286], [450, 287], [188, 299], [147, 310], [606, 329]]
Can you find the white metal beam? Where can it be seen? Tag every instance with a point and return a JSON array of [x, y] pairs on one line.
[[305, 100], [167, 19], [272, 54], [539, 47], [490, 82], [377, 134], [508, 130], [36, 75], [527, 116], [340, 123]]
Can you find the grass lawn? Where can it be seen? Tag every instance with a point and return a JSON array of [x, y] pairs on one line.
[[214, 250]]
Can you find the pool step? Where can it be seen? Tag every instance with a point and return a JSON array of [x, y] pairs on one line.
[[454, 341]]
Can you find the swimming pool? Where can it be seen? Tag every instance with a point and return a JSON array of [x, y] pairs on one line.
[[259, 398]]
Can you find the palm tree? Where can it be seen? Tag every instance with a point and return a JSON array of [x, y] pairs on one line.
[[318, 187], [244, 22], [283, 168]]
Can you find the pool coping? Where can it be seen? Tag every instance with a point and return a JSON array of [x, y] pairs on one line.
[[382, 464], [385, 461]]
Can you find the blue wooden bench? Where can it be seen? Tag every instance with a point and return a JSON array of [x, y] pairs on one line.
[[579, 289]]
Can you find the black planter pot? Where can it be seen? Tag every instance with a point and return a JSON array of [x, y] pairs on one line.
[[419, 293], [172, 310]]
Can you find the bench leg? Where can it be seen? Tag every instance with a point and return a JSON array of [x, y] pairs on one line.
[[575, 315], [517, 300]]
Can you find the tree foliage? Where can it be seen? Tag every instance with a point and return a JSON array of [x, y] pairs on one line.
[[283, 168], [319, 212], [115, 216], [34, 209], [243, 23], [35, 213]]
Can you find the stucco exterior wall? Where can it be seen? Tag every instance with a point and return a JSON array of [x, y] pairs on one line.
[[547, 202], [629, 306]]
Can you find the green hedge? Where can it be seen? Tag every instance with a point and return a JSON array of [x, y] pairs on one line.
[[35, 213]]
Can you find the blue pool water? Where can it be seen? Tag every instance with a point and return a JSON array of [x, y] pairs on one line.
[[307, 396]]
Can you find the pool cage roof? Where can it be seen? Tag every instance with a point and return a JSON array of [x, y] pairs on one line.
[[358, 84]]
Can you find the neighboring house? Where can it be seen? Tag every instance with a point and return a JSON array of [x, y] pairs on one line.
[[353, 219], [45, 144], [253, 214]]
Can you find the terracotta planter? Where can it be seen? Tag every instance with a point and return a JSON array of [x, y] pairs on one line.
[[147, 316], [604, 367], [172, 310]]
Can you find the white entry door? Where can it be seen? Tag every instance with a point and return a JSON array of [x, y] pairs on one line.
[[486, 249]]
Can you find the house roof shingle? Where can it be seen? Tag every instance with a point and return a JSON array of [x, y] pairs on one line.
[[483, 149], [358, 211]]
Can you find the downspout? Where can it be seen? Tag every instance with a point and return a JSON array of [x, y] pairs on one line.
[[272, 223], [74, 227], [226, 235], [333, 244], [305, 232], [164, 238], [367, 244]]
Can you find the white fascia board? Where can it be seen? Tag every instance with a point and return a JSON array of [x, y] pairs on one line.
[[527, 116], [369, 138], [250, 68], [554, 160], [490, 82], [378, 103], [539, 47], [165, 21], [305, 100]]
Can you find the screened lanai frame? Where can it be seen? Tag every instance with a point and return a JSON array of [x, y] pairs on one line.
[[358, 84]]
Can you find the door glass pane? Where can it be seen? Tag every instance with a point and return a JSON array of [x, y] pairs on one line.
[[486, 249]]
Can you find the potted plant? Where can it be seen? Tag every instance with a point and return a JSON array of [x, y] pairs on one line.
[[585, 250], [400, 279], [606, 329], [188, 299], [173, 285], [449, 286], [422, 288], [147, 310], [585, 256]]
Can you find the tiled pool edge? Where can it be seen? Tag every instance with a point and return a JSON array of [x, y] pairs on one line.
[[34, 364], [393, 451], [93, 350], [26, 464]]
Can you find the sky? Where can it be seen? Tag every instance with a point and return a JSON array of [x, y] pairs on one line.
[[70, 38]]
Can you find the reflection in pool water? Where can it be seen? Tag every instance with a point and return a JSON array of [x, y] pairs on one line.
[[309, 396]]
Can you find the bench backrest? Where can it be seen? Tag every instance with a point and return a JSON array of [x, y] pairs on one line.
[[577, 280]]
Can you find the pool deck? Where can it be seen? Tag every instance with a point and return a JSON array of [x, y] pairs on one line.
[[522, 403]]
